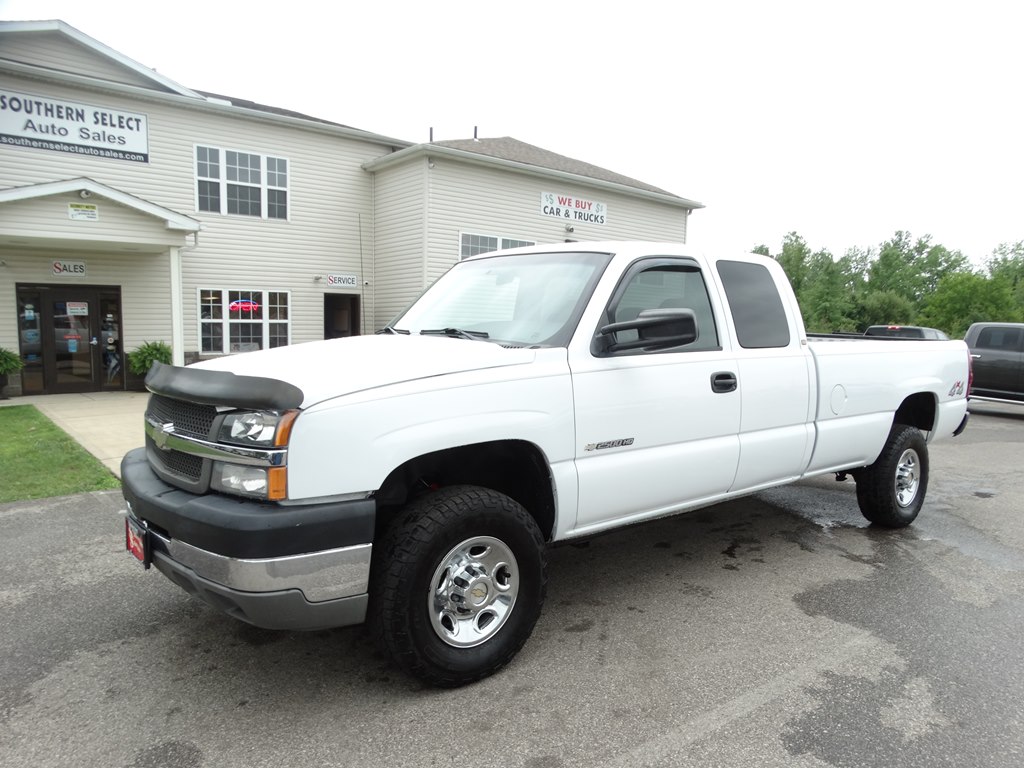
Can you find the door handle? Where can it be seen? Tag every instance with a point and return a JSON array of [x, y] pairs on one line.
[[975, 356], [723, 381], [94, 341]]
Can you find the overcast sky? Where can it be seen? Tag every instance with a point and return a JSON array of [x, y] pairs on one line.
[[843, 122]]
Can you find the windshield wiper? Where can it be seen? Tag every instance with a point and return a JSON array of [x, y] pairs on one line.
[[388, 329], [456, 333]]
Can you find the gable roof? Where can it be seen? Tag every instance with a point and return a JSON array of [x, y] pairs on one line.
[[504, 152], [95, 45], [159, 86], [509, 152], [82, 184]]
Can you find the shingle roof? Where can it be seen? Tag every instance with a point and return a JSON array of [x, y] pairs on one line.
[[504, 148], [507, 148], [246, 104]]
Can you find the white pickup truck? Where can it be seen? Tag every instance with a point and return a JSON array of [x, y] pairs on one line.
[[414, 478]]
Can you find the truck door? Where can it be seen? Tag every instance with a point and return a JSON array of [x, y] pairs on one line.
[[776, 376], [655, 429], [997, 361]]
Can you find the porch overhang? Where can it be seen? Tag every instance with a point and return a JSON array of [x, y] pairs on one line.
[[59, 215]]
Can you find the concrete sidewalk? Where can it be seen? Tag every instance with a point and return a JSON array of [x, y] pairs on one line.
[[106, 424]]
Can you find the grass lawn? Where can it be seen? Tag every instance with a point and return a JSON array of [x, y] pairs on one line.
[[38, 459]]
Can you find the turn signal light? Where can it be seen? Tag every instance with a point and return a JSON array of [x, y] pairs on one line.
[[277, 483]]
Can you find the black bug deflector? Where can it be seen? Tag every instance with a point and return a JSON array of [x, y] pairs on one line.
[[222, 388]]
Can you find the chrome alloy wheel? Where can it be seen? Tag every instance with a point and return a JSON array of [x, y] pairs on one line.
[[474, 590], [908, 479]]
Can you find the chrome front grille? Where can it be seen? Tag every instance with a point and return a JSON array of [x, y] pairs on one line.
[[188, 418], [183, 465], [183, 470]]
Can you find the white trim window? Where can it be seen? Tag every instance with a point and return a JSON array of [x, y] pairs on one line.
[[471, 245], [242, 321], [237, 183]]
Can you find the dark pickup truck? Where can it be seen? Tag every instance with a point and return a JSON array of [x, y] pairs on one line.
[[906, 332], [997, 352]]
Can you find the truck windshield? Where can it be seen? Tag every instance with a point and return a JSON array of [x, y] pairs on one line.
[[531, 299]]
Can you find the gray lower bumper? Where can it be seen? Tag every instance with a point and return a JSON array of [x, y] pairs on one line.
[[283, 609], [316, 590]]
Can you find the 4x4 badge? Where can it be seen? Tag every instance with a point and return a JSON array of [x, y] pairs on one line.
[[957, 389]]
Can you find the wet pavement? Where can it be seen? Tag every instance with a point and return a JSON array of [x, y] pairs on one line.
[[779, 630]]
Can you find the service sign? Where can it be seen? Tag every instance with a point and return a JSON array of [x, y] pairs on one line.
[[343, 281], [59, 125], [573, 210]]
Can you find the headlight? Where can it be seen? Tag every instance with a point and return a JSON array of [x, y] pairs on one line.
[[263, 473], [255, 428], [244, 480]]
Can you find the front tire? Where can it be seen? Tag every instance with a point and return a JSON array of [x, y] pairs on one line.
[[891, 491], [459, 584]]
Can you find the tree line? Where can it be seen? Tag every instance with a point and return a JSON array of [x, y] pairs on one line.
[[905, 281]]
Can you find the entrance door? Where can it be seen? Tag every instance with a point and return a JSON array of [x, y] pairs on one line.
[[70, 338], [74, 341], [341, 315]]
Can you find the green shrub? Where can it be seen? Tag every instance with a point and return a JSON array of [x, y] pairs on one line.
[[142, 359], [10, 362]]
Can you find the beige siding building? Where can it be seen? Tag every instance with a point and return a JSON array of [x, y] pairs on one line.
[[133, 209]]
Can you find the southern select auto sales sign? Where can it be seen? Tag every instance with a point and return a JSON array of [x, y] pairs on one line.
[[59, 125]]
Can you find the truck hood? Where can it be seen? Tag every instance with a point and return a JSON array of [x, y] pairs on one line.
[[328, 369]]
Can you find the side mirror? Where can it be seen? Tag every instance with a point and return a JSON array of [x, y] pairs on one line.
[[656, 329]]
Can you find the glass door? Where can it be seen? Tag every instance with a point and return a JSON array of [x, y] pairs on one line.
[[70, 338], [111, 350], [30, 340], [75, 342]]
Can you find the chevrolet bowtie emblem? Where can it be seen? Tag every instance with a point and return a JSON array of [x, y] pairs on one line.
[[160, 437]]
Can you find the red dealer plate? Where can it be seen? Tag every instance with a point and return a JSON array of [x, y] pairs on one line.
[[136, 541]]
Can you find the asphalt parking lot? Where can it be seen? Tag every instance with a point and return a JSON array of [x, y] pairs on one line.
[[779, 630]]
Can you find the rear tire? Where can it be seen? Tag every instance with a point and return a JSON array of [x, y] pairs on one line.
[[891, 491], [458, 584]]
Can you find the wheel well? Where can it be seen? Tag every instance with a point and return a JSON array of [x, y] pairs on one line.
[[515, 468], [917, 411]]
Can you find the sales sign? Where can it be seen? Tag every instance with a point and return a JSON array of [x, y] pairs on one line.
[[68, 268], [59, 125]]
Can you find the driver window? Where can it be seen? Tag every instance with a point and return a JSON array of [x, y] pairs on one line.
[[668, 287]]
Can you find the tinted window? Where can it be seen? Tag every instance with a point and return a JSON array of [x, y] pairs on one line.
[[667, 286], [757, 309], [999, 338]]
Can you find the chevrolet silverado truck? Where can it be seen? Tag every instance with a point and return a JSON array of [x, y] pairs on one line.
[[414, 478]]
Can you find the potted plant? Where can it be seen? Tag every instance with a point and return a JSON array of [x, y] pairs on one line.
[[10, 362], [141, 360]]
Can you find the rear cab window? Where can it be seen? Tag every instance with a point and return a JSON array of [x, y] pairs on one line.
[[1004, 339], [757, 312]]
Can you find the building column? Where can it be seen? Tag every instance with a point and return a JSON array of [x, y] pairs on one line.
[[177, 309]]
